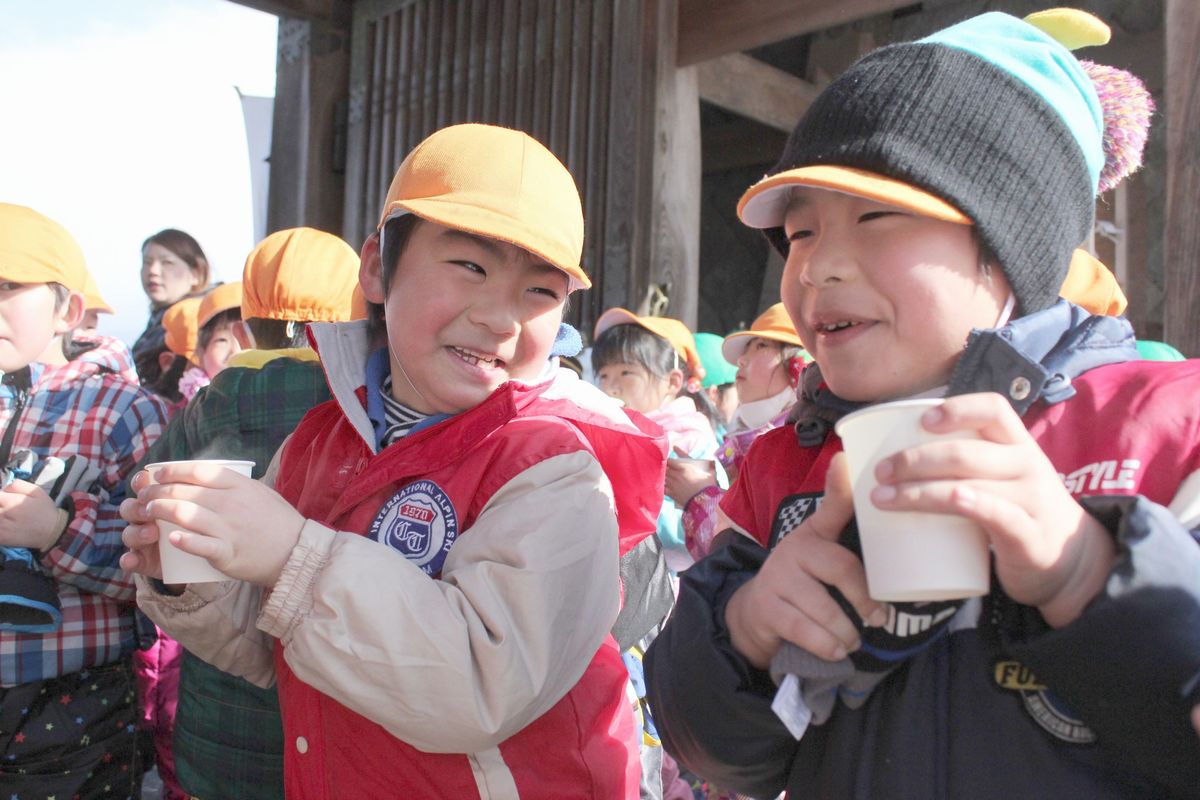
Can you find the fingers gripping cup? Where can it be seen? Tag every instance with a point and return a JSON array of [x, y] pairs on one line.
[[909, 555], [177, 565]]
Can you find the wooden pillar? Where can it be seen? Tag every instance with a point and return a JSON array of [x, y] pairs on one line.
[[652, 196], [308, 137], [675, 202], [1181, 267], [628, 131]]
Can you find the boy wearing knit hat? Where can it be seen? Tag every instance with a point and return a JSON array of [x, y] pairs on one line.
[[442, 553], [931, 198], [67, 702]]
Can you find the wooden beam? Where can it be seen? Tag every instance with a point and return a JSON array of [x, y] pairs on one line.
[[711, 28], [334, 11], [307, 182], [756, 90], [1181, 281], [739, 144]]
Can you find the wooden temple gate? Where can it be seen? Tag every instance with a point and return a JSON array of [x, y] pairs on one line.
[[651, 103]]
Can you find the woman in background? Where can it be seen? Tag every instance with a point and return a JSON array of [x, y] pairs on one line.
[[173, 267]]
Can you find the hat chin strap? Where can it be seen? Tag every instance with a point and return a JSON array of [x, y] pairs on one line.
[[1006, 313], [396, 360]]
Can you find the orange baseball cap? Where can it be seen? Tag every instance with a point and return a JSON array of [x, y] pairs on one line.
[[36, 249], [670, 329], [220, 298], [1092, 285], [92, 299], [180, 323], [773, 324], [300, 274], [765, 203], [494, 182]]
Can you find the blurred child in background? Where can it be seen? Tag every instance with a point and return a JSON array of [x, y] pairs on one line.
[[179, 375], [769, 358], [219, 313], [719, 380], [651, 365]]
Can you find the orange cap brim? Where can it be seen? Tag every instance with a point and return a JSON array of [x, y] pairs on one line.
[[1091, 285], [735, 343], [764, 204]]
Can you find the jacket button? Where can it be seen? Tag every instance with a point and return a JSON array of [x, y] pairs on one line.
[[301, 745], [1020, 388]]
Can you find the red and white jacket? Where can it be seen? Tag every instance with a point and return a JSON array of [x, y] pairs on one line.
[[442, 627], [1112, 438]]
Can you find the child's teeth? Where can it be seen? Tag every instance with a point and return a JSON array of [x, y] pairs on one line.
[[474, 359]]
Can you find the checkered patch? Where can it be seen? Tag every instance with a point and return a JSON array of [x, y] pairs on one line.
[[792, 511]]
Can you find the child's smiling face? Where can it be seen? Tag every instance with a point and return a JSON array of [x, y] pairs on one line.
[[465, 314], [883, 299], [221, 347]]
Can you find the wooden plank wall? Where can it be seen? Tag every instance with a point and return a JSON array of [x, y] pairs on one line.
[[1181, 284], [573, 73]]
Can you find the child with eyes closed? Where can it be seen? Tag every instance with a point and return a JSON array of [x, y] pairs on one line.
[[929, 206]]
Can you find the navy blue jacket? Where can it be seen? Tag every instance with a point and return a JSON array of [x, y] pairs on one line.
[[999, 705]]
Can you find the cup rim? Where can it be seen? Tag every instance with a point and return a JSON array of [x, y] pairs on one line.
[[915, 402], [237, 461]]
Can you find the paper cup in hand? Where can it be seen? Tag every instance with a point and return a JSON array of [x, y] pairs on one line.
[[908, 555], [178, 566]]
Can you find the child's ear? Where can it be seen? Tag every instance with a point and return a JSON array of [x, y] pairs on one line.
[[675, 381], [241, 332], [165, 359], [370, 271], [70, 315]]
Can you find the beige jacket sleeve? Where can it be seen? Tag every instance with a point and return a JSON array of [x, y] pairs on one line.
[[215, 621], [458, 665]]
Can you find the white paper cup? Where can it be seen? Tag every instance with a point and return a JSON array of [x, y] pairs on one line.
[[909, 555], [178, 566]]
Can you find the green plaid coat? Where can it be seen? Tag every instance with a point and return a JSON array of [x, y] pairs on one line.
[[228, 737]]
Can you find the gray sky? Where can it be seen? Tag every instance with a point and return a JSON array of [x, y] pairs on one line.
[[122, 118]]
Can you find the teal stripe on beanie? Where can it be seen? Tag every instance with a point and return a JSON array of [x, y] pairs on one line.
[[1044, 66]]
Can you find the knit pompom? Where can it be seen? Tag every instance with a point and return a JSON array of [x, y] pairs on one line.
[[1127, 107]]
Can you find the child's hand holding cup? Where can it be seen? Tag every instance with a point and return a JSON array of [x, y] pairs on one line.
[[909, 555], [179, 566]]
